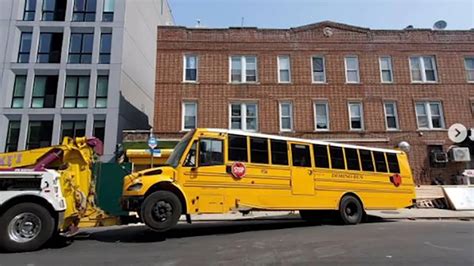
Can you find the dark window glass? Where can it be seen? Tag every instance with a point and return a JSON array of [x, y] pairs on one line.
[[76, 94], [352, 159], [108, 14], [99, 129], [210, 152], [237, 148], [393, 163], [301, 155], [191, 65], [321, 156], [366, 160], [54, 10], [39, 134], [19, 91], [80, 48], [84, 10], [102, 91], [44, 92], [380, 164], [49, 50], [29, 12], [25, 47], [190, 160], [105, 48], [337, 157], [13, 135], [73, 129], [258, 150], [279, 152]]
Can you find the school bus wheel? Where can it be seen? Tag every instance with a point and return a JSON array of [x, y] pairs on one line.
[[161, 210], [350, 210]]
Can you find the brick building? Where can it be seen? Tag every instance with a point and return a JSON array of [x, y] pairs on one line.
[[324, 81]]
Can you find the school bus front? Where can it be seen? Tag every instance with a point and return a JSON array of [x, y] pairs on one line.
[[218, 171]]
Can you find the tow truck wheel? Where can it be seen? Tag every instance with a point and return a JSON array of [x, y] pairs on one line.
[[25, 227], [161, 210]]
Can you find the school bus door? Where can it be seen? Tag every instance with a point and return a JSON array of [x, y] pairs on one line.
[[302, 182]]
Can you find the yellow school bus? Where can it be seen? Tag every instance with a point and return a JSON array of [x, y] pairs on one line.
[[219, 171]]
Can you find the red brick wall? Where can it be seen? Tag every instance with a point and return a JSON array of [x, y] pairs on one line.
[[213, 91]]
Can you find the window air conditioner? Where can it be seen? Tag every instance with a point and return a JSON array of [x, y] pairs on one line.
[[459, 154], [439, 157]]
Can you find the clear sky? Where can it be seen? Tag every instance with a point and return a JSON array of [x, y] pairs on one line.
[[375, 14]]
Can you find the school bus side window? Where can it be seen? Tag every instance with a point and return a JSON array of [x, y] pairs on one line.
[[352, 159], [279, 152], [366, 160], [380, 164], [337, 157], [321, 155], [393, 165], [190, 160], [237, 150], [258, 150], [301, 155], [210, 152]]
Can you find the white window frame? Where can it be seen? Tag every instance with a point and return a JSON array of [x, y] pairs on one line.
[[243, 70], [346, 70], [468, 69], [428, 114], [395, 109], [279, 69], [362, 124], [422, 68], [184, 68], [312, 69], [326, 104], [183, 113], [243, 116], [390, 69], [281, 116]]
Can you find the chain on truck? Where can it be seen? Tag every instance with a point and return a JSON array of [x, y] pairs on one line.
[[54, 190]]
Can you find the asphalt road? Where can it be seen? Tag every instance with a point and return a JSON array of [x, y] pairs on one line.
[[263, 242]]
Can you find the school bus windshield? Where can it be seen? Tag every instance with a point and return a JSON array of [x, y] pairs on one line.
[[173, 160]]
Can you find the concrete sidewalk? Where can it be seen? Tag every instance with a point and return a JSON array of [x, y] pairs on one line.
[[411, 214]]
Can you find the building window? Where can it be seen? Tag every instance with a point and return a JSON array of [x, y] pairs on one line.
[[77, 92], [386, 73], [244, 116], [25, 47], [286, 116], [243, 69], [108, 14], [469, 64], [190, 68], [423, 69], [429, 115], [19, 91], [284, 69], [105, 48], [44, 92], [29, 11], [189, 115], [102, 91], [391, 115], [99, 129], [39, 134], [54, 10], [84, 10], [80, 48], [356, 116], [318, 67], [321, 116], [13, 135], [73, 129], [352, 69], [49, 50]]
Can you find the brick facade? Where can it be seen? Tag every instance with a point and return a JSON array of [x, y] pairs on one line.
[[213, 92]]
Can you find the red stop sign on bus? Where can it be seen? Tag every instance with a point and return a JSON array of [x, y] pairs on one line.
[[238, 170]]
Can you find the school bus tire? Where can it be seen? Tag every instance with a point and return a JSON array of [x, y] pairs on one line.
[[161, 210], [351, 210]]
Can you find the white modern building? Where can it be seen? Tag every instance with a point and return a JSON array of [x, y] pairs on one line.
[[75, 68]]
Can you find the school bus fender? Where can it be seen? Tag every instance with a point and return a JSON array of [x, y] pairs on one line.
[[349, 193], [171, 187]]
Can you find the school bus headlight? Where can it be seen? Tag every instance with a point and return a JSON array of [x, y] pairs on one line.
[[135, 187]]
